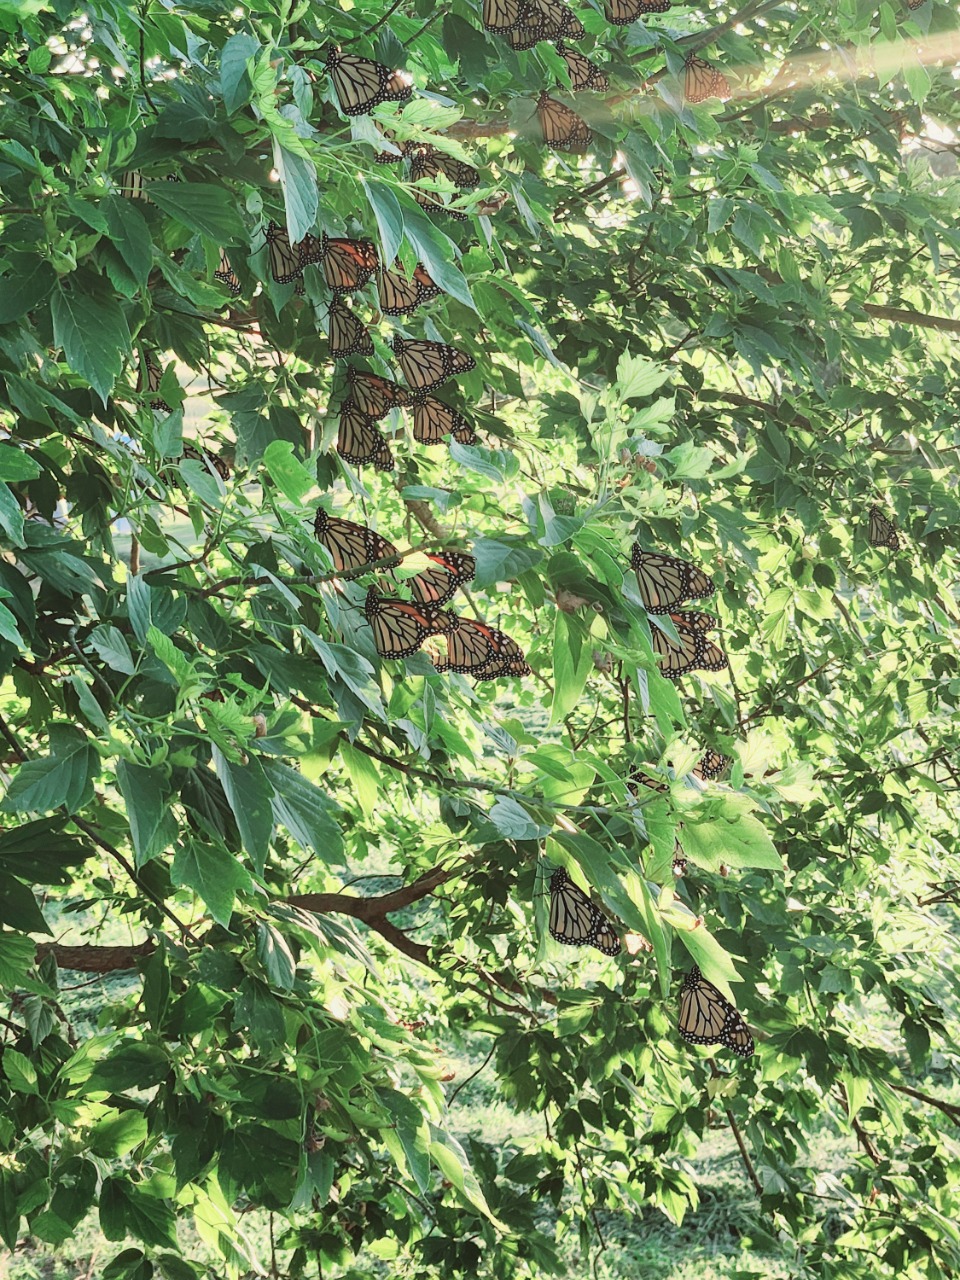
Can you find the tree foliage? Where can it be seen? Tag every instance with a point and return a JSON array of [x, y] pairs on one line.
[[723, 330]]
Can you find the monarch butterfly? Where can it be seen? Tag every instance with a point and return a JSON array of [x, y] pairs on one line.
[[679, 861], [347, 336], [640, 778], [287, 260], [708, 1017], [428, 162], [575, 920], [432, 420], [693, 651], [226, 274], [131, 185], [584, 74], [622, 12], [527, 21], [665, 581], [882, 531], [702, 81], [153, 380], [427, 365], [436, 586], [399, 628], [711, 765], [351, 546], [209, 459], [359, 441], [362, 84], [561, 127], [915, 4], [347, 264], [400, 295], [375, 396], [480, 651]]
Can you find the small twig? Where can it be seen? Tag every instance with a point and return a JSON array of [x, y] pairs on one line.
[[738, 1136]]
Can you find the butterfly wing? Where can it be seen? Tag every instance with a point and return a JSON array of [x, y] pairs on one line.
[[400, 294], [427, 365], [708, 1017], [347, 336], [432, 420], [711, 765], [575, 920], [347, 264], [154, 371], [702, 81], [362, 84], [286, 264], [437, 585], [881, 531], [622, 12], [665, 581], [584, 74], [359, 441], [375, 396], [500, 16], [399, 628], [561, 128], [226, 274], [351, 546]]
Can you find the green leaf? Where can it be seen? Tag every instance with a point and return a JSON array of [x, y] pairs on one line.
[[289, 474], [637, 376], [18, 907], [11, 517], [451, 1159], [111, 646], [20, 1072], [118, 1133], [514, 822], [92, 330], [250, 795], [147, 795], [60, 779], [15, 464], [201, 207], [735, 839], [8, 628], [132, 1064], [152, 606], [503, 559], [130, 235], [305, 811], [364, 775], [9, 1212], [572, 663], [276, 957], [214, 874], [25, 288], [389, 218], [17, 956], [298, 178], [235, 59]]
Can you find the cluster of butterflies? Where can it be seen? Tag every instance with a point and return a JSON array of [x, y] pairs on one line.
[[665, 582], [400, 626], [348, 265], [706, 1016], [524, 23]]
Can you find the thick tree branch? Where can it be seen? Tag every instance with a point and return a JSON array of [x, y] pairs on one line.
[[96, 959], [948, 1108], [918, 319]]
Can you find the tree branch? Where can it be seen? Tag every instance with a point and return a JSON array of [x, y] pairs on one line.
[[96, 959], [919, 319]]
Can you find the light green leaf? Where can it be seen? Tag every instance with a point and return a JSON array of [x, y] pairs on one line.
[[214, 874]]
